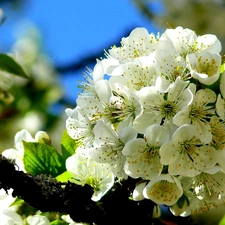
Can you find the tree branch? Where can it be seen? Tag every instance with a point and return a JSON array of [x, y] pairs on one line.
[[46, 194]]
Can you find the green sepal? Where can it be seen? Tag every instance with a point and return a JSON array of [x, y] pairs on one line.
[[8, 64], [182, 200], [17, 201], [40, 158]]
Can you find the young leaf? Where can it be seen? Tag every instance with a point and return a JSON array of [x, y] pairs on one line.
[[8, 64], [59, 222], [222, 221], [64, 177], [68, 145], [41, 158]]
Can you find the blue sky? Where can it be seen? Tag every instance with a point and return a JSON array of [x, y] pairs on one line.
[[73, 29]]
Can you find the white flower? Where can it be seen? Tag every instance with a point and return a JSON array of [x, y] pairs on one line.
[[220, 103], [91, 78], [160, 107], [86, 171], [120, 105], [185, 154], [17, 153], [218, 133], [154, 110], [138, 43], [91, 106], [79, 126], [142, 154], [170, 65], [108, 146], [221, 158], [220, 107], [137, 194], [8, 213], [210, 184], [165, 189], [137, 74], [198, 114], [180, 206], [9, 217], [205, 67], [185, 41], [196, 206], [70, 221], [38, 220]]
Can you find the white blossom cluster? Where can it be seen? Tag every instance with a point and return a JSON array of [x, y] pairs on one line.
[[154, 110]]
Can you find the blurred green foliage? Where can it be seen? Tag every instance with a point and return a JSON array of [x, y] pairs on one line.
[[33, 97]]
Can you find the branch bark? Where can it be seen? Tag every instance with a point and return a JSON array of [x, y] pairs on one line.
[[46, 194]]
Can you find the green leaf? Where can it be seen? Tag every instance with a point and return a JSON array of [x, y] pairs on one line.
[[68, 145], [59, 222], [222, 68], [8, 64], [64, 177], [222, 221], [40, 158]]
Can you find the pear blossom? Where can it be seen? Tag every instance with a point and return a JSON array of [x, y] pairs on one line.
[[153, 110], [198, 114], [180, 206], [185, 154], [165, 189], [170, 65], [17, 153], [209, 184], [91, 77], [143, 159], [221, 158], [160, 107], [139, 73], [220, 103], [108, 146], [85, 170], [120, 105], [218, 133], [138, 43], [197, 206], [186, 41], [67, 219], [8, 213], [91, 106], [137, 194], [8, 216], [38, 220], [205, 67], [79, 126], [220, 107]]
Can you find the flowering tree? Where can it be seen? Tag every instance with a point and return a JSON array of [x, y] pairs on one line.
[[147, 130]]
